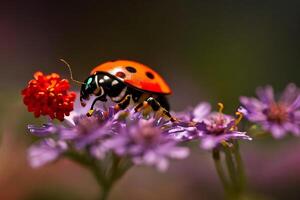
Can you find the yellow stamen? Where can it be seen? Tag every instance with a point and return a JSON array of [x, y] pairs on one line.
[[239, 117], [221, 107]]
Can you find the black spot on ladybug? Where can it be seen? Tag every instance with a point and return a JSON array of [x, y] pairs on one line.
[[150, 75], [120, 74], [131, 69]]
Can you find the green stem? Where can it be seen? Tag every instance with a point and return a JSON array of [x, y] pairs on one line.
[[114, 172], [95, 167], [106, 175], [230, 167], [98, 172], [89, 163], [235, 186], [115, 167], [220, 171], [240, 166], [123, 166], [105, 192]]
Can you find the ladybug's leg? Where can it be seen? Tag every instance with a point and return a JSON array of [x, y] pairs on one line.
[[90, 112], [120, 106], [123, 104], [140, 106], [155, 105]]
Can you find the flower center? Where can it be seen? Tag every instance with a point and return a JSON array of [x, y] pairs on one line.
[[277, 113], [147, 136], [86, 125], [217, 124]]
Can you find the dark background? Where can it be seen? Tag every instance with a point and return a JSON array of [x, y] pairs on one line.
[[206, 50]]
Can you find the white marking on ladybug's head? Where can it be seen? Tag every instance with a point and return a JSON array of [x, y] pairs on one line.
[[96, 80], [115, 82], [106, 77], [101, 81]]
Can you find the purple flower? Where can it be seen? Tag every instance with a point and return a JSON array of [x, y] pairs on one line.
[[211, 129], [185, 128], [77, 132], [145, 143], [89, 130], [218, 128], [82, 134], [278, 117], [131, 134]]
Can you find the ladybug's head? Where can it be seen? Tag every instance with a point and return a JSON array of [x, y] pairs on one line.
[[101, 84], [89, 87]]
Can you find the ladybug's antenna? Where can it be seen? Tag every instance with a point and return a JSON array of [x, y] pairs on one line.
[[70, 70]]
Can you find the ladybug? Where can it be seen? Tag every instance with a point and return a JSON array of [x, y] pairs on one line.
[[125, 81]]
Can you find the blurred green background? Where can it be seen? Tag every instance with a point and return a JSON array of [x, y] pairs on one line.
[[206, 50]]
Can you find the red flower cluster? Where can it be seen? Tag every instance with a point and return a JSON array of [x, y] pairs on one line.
[[49, 95]]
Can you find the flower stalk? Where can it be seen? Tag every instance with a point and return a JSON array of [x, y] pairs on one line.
[[231, 167], [105, 174], [240, 167], [234, 182], [219, 169]]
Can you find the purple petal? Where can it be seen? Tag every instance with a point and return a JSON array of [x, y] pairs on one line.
[[277, 131], [42, 131], [68, 134], [252, 109], [265, 94], [117, 144], [180, 133], [99, 151], [111, 112], [289, 94], [91, 137], [150, 158], [201, 111], [297, 116], [179, 152], [296, 104], [243, 110], [46, 151], [251, 104], [209, 142], [293, 128], [162, 164]]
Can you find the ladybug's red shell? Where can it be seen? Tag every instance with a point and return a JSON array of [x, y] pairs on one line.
[[136, 75]]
